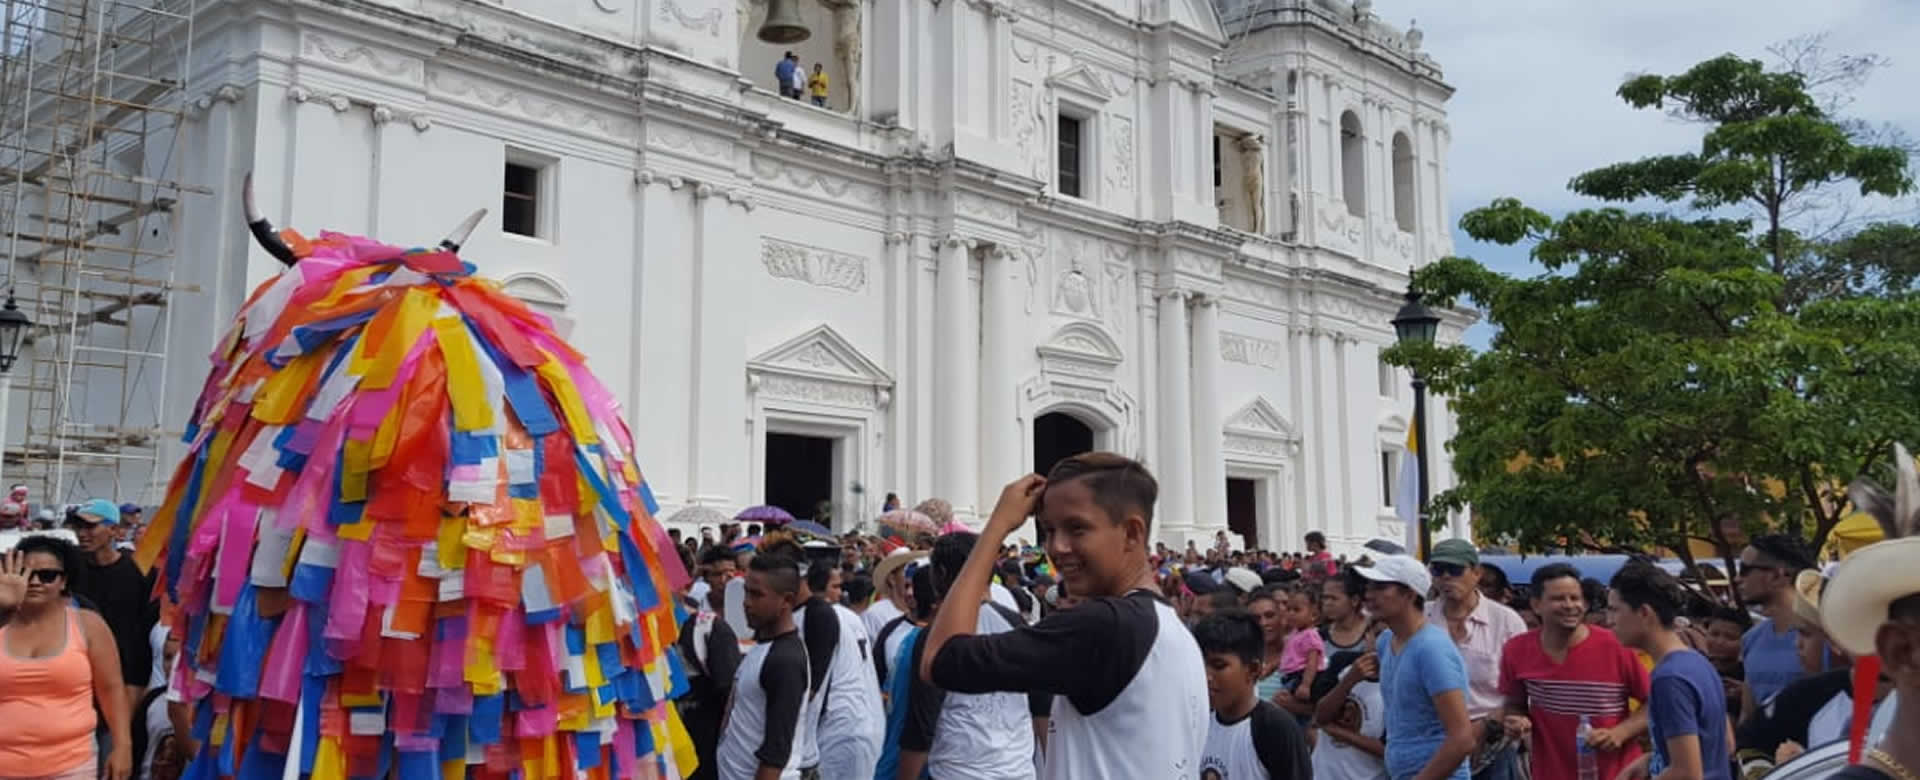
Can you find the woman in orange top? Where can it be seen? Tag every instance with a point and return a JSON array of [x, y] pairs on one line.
[[56, 660]]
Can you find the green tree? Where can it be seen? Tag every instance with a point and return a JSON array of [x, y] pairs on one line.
[[1685, 377]]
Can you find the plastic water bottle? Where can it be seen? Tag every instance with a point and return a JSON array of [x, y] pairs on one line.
[[1588, 762]]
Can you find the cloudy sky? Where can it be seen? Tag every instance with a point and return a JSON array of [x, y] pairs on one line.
[[1535, 80]]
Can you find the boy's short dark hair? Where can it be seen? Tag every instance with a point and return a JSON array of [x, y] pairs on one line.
[[781, 572], [1642, 584], [859, 588], [716, 555], [1316, 539], [949, 554], [921, 581], [818, 578], [1554, 571], [1350, 583], [1119, 484], [1224, 599], [1738, 617], [1231, 632], [1786, 549]]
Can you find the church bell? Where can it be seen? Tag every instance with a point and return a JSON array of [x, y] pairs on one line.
[[783, 23]]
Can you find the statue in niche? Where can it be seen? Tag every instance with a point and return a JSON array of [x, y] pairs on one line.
[[1253, 166], [846, 46], [744, 16]]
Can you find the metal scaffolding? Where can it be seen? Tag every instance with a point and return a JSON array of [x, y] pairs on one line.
[[92, 97]]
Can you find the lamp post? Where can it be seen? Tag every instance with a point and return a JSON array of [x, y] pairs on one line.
[[1417, 324], [14, 329]]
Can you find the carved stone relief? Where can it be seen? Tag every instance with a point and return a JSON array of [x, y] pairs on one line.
[[472, 92], [818, 267], [364, 59], [1237, 348], [1255, 292], [984, 207], [1198, 264], [701, 21], [1344, 228], [774, 171], [1120, 161], [1029, 133], [672, 137]]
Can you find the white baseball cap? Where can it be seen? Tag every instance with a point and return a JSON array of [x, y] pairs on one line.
[[1403, 569], [1243, 579]]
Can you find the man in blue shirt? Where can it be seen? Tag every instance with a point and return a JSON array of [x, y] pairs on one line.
[[783, 74], [1687, 708], [1767, 653], [1429, 736]]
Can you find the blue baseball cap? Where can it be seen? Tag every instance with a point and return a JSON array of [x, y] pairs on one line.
[[100, 510], [131, 509]]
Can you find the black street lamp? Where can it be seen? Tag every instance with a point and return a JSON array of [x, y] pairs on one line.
[[14, 328], [1417, 324]]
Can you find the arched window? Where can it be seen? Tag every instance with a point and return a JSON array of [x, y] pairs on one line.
[[1293, 83], [543, 295], [1403, 182], [1353, 173]]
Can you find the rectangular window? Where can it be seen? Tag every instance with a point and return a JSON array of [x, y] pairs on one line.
[[1216, 162], [521, 199], [1389, 381], [1071, 142], [1388, 475]]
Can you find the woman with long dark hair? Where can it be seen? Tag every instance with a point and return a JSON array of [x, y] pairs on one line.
[[56, 662]]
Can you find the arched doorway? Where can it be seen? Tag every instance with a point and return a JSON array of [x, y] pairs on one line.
[[1057, 436]]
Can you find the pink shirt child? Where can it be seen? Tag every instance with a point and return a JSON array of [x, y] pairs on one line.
[[1293, 655]]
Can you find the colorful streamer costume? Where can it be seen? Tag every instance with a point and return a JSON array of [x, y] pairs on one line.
[[409, 540]]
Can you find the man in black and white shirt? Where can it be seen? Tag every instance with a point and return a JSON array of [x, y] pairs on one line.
[[1130, 693], [845, 721], [759, 740], [1248, 738], [713, 658], [987, 736]]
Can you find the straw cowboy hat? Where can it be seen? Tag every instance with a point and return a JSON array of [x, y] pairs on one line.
[[1806, 598], [892, 562], [1855, 601]]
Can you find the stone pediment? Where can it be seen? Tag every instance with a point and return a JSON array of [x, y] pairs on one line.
[[821, 353], [1081, 345], [1259, 418], [1258, 431], [1084, 81]]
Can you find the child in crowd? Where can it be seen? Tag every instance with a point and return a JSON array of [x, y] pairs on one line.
[[1247, 737], [1352, 721], [1300, 661]]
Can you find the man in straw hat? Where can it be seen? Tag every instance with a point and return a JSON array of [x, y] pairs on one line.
[[1871, 607], [889, 589]]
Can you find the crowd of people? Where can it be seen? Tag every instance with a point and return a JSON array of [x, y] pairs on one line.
[[1101, 654], [1097, 653]]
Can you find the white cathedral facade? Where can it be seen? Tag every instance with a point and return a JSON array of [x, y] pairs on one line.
[[1017, 229]]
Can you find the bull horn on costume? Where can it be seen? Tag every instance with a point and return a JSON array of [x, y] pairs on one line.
[[458, 237], [262, 230], [270, 240]]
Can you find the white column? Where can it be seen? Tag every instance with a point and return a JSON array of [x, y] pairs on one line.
[[1000, 460], [1175, 516], [956, 369], [1209, 465], [718, 442]]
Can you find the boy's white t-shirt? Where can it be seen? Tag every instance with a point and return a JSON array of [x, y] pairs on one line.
[[1335, 760]]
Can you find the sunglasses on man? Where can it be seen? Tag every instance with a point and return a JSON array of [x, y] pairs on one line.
[[47, 576], [1443, 569]]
